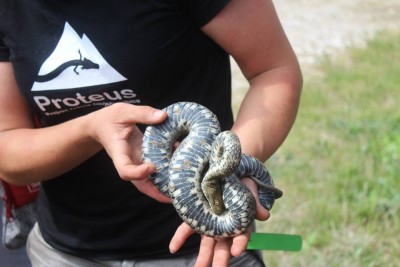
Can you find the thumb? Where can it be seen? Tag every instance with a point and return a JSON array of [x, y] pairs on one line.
[[132, 114], [262, 214]]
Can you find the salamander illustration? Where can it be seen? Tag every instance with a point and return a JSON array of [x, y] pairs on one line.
[[83, 63]]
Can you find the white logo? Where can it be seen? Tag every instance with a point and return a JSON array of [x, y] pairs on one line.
[[33, 187], [75, 63]]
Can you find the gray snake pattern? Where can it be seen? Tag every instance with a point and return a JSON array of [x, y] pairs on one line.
[[182, 174]]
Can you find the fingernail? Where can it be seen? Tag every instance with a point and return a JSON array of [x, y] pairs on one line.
[[153, 168], [172, 251], [158, 113]]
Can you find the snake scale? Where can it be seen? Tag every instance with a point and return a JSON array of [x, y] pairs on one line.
[[205, 189]]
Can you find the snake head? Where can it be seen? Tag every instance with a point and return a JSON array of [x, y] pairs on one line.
[[212, 190]]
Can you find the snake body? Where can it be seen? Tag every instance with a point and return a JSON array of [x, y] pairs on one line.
[[212, 201]]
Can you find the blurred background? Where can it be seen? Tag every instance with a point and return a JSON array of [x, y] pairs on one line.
[[340, 166]]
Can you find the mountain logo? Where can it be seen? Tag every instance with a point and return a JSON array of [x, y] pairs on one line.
[[75, 63]]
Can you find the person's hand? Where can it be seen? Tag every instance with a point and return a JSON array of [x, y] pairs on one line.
[[219, 251], [114, 127]]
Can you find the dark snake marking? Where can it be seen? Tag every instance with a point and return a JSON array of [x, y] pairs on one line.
[[83, 63], [192, 176]]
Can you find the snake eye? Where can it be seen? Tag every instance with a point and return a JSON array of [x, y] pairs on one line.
[[220, 151]]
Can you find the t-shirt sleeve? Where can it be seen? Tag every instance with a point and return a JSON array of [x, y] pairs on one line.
[[4, 51], [202, 11]]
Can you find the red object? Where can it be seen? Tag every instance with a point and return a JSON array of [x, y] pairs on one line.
[[16, 196]]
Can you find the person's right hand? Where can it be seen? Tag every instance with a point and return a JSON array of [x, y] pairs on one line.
[[114, 127]]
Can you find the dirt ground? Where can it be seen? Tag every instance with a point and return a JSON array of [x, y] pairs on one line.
[[318, 27]]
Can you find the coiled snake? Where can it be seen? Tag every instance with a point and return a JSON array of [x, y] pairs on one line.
[[202, 175]]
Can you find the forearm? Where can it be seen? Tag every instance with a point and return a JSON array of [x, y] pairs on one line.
[[31, 155], [251, 32], [268, 110]]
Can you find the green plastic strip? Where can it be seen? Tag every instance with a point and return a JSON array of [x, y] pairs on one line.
[[268, 241]]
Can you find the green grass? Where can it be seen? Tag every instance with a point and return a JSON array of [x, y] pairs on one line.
[[340, 166]]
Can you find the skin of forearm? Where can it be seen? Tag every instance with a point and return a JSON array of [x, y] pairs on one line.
[[32, 155], [268, 110]]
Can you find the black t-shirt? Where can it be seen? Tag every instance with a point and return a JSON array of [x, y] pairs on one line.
[[74, 57]]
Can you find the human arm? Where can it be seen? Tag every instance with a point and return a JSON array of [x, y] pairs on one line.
[[250, 31], [29, 155]]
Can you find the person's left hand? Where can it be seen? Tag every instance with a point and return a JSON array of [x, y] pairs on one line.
[[219, 251]]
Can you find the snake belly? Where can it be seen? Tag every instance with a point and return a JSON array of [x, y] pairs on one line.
[[180, 173]]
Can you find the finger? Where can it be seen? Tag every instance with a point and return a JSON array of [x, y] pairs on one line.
[[262, 214], [131, 114], [128, 171], [240, 242], [148, 188], [222, 252], [181, 234], [206, 252], [127, 160], [175, 145]]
